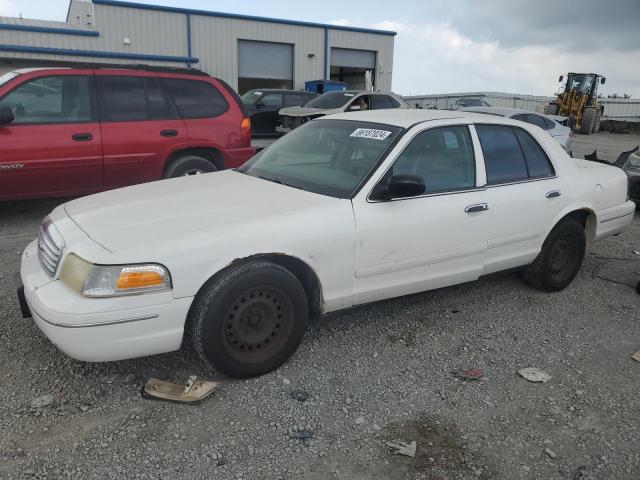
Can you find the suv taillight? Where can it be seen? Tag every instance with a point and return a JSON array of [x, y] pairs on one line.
[[245, 130]]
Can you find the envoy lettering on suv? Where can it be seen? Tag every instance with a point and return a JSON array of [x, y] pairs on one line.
[[75, 131]]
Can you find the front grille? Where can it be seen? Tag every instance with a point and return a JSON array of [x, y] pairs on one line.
[[50, 247]]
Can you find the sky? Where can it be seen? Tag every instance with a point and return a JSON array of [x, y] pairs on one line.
[[445, 46]]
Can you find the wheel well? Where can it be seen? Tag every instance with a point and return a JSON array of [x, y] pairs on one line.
[[587, 219], [210, 153], [303, 272]]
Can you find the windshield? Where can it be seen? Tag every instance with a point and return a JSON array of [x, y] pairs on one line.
[[251, 97], [331, 100], [7, 76], [329, 157]]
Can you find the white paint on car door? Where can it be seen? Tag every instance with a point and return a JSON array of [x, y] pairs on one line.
[[524, 199], [409, 245]]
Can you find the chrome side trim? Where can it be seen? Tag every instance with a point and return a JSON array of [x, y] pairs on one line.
[[99, 324]]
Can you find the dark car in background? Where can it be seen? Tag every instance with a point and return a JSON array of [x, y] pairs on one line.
[[263, 104]]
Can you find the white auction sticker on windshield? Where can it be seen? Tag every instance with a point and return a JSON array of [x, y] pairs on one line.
[[370, 133]]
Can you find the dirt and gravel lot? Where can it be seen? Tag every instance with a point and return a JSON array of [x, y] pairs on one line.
[[373, 374]]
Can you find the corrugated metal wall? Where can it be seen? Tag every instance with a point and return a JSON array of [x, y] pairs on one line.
[[628, 109], [214, 41]]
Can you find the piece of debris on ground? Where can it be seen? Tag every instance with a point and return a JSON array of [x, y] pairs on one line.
[[534, 375], [401, 448], [194, 391]]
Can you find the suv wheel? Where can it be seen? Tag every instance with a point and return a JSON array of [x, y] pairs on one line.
[[250, 320], [560, 258], [189, 165]]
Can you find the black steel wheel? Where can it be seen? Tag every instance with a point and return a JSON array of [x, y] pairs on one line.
[[258, 324], [560, 258], [250, 319]]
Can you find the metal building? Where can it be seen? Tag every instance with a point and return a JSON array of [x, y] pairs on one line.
[[246, 51]]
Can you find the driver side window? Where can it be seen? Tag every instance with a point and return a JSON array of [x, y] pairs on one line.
[[442, 157], [62, 99]]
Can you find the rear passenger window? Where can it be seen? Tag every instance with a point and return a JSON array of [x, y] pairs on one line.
[[381, 101], [536, 120], [131, 99], [195, 98], [537, 161], [503, 157]]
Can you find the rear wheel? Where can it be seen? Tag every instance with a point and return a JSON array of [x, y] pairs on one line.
[[551, 109], [250, 320], [588, 121], [560, 259], [189, 165]]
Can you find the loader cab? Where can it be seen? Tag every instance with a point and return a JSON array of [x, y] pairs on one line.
[[583, 83]]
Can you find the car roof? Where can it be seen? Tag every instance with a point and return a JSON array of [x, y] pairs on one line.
[[503, 111], [406, 118]]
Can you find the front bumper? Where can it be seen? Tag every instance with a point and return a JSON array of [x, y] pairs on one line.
[[104, 329]]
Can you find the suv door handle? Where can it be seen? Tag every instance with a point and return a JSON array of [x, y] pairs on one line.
[[553, 193], [478, 207], [82, 137], [169, 133]]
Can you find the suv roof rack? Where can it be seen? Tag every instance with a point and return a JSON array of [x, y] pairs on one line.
[[140, 66]]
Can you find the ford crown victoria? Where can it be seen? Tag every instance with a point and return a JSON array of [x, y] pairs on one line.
[[345, 210]]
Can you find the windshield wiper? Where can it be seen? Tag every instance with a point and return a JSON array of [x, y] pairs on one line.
[[278, 181]]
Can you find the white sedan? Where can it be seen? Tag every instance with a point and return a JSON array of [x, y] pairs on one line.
[[345, 210]]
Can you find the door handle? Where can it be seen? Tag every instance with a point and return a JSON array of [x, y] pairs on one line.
[[478, 207], [553, 194], [82, 137], [169, 133]]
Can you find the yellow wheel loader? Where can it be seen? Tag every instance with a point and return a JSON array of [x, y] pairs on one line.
[[579, 102]]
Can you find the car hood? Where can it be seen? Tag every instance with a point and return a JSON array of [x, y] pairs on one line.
[[306, 111], [159, 211]]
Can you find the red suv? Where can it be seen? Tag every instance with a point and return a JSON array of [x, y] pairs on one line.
[[71, 131]]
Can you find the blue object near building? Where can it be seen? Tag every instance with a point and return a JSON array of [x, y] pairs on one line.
[[324, 86]]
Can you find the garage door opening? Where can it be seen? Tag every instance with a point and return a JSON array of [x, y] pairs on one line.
[[356, 68], [264, 65]]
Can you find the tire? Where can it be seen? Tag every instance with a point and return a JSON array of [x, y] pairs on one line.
[[189, 165], [250, 320], [551, 109], [560, 259], [588, 120], [596, 126]]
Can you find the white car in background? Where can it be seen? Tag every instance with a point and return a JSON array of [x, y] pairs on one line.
[[560, 133], [337, 102], [345, 210]]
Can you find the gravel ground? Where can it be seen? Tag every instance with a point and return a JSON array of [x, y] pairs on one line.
[[374, 374]]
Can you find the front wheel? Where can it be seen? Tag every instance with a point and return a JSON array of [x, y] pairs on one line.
[[560, 259], [250, 320]]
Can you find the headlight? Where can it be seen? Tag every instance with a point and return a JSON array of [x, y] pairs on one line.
[[113, 280]]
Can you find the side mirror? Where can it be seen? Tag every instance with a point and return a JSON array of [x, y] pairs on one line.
[[560, 78], [400, 186], [354, 108], [602, 80], [6, 115]]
